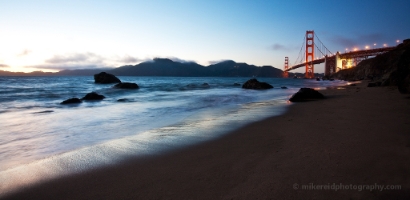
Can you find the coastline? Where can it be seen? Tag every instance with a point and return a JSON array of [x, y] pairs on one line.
[[357, 136]]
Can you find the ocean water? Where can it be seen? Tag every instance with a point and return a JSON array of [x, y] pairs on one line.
[[42, 139]]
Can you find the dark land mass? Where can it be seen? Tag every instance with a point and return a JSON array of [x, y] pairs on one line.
[[389, 69], [167, 67]]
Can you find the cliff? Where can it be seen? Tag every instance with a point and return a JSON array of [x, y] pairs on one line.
[[391, 68]]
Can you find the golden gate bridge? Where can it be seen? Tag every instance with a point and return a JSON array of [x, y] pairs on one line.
[[333, 61]]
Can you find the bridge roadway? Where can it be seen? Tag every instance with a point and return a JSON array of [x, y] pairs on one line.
[[348, 55]]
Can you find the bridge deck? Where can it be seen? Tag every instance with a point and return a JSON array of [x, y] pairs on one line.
[[348, 55]]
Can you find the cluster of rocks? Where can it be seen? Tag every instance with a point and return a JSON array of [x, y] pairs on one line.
[[92, 96], [105, 78], [304, 94], [102, 78]]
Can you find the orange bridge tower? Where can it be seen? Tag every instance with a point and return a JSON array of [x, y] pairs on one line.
[[285, 72], [310, 54]]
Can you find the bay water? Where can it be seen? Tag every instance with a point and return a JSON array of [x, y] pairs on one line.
[[42, 139]]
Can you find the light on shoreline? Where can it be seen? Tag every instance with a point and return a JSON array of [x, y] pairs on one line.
[[367, 47]]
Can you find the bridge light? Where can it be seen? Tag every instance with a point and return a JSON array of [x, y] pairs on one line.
[[385, 45], [367, 47], [397, 41]]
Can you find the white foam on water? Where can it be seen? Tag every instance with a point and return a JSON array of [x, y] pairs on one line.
[[204, 126]]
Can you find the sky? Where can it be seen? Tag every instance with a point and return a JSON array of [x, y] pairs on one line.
[[54, 35]]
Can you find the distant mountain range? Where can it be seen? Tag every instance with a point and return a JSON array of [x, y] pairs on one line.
[[167, 67]]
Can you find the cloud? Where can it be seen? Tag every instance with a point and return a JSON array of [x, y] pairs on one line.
[[175, 59], [73, 61], [281, 47], [130, 59], [278, 47], [79, 58], [217, 61], [4, 66], [358, 40], [86, 60], [66, 67], [24, 53]]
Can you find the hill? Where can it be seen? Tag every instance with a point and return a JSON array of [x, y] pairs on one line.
[[167, 67]]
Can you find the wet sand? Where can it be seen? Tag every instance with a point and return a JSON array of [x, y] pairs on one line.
[[357, 137]]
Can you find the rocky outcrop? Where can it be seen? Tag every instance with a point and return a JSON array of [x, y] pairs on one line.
[[255, 84], [403, 70], [126, 85], [105, 78], [93, 96], [306, 94], [71, 101], [390, 69], [374, 84]]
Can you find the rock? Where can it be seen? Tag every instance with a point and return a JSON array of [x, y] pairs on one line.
[[105, 78], [123, 100], [205, 85], [237, 84], [255, 84], [283, 87], [403, 70], [93, 96], [374, 84], [306, 94], [72, 100], [126, 85]]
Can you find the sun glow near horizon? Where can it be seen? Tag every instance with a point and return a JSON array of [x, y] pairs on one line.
[[54, 35]]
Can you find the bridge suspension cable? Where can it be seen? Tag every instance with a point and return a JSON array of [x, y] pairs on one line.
[[300, 53], [323, 49]]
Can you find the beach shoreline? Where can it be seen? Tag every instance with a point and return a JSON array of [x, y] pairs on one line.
[[357, 136]]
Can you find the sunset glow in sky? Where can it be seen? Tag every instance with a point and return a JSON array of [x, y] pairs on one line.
[[56, 35]]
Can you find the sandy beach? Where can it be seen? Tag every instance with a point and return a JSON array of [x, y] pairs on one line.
[[344, 147]]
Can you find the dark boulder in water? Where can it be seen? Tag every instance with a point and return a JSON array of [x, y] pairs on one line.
[[306, 94], [72, 100], [284, 87], [123, 100], [93, 96], [237, 84], [256, 85], [105, 78], [126, 85]]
